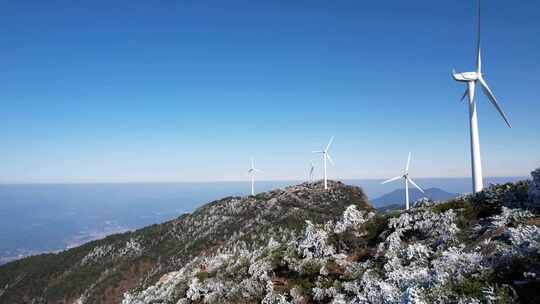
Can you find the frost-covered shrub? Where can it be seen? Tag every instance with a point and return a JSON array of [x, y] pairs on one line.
[[453, 264], [534, 191], [493, 198], [509, 217], [413, 295], [525, 238], [314, 244], [97, 253], [440, 227], [352, 218], [423, 202]]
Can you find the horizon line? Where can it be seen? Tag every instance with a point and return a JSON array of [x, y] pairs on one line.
[[234, 181]]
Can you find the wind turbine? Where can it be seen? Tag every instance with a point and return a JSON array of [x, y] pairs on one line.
[[471, 79], [326, 156], [251, 172], [406, 180], [310, 173]]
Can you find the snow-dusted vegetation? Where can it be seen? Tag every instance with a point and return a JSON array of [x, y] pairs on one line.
[[433, 253]]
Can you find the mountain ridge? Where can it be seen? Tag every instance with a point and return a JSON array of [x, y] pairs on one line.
[[139, 253], [398, 196]]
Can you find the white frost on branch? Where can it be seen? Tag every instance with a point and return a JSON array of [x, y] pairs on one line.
[[314, 243], [352, 218]]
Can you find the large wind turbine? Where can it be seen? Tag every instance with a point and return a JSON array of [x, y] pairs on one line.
[[251, 172], [326, 156], [406, 180], [472, 78]]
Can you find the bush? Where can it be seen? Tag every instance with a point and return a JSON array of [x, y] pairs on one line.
[[202, 276]]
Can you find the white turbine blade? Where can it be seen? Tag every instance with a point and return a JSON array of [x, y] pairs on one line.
[[329, 158], [329, 143], [408, 163], [493, 100], [392, 179], [317, 151], [465, 95], [414, 184], [478, 55], [479, 60], [252, 163], [257, 170]]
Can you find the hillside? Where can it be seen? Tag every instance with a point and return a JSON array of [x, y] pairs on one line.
[[398, 196], [305, 245], [101, 271]]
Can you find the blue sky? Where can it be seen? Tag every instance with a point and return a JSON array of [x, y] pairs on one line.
[[119, 91]]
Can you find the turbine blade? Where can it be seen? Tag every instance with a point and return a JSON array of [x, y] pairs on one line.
[[317, 151], [391, 179], [478, 55], [408, 163], [329, 143], [414, 184], [252, 163], [493, 100], [329, 158], [465, 95]]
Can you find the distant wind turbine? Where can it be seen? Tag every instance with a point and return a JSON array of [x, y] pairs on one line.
[[310, 173], [472, 78], [406, 180], [251, 172], [326, 156]]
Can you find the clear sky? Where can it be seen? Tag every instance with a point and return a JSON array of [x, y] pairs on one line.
[[162, 90]]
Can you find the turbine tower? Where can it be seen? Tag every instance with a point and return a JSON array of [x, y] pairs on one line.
[[471, 79], [326, 156], [406, 180], [251, 172]]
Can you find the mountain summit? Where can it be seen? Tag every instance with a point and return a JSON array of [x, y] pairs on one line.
[[102, 271]]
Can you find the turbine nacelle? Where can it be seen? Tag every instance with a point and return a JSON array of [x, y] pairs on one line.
[[466, 76]]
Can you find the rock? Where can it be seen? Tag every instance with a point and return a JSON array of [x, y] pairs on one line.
[[534, 191]]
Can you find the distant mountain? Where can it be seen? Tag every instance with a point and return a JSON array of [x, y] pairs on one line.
[[398, 196]]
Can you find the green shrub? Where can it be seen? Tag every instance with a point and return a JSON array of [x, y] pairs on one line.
[[202, 276], [470, 288]]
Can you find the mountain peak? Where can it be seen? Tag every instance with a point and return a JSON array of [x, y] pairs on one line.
[[102, 271]]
